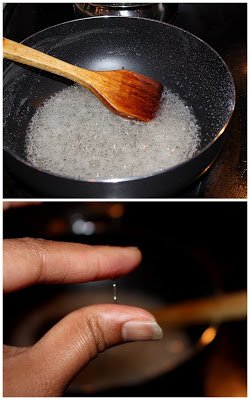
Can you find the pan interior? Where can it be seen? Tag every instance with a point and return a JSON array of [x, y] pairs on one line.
[[183, 63]]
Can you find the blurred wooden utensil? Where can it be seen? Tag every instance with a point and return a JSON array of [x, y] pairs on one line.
[[218, 308]]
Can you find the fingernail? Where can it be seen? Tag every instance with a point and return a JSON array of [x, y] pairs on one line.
[[141, 330]]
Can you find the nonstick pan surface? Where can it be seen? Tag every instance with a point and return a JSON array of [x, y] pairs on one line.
[[183, 63]]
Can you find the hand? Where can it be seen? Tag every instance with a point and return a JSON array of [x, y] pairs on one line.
[[47, 367]]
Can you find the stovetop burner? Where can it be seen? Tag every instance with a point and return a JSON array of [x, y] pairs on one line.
[[223, 26]]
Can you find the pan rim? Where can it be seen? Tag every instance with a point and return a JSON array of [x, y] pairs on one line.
[[138, 177]]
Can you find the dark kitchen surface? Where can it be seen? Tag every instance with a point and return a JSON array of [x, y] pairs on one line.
[[208, 236], [223, 26]]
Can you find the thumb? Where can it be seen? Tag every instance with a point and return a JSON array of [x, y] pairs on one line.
[[80, 336]]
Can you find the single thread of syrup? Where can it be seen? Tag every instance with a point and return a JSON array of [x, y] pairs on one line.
[[114, 293]]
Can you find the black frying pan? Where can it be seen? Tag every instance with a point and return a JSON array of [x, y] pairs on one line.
[[178, 59]]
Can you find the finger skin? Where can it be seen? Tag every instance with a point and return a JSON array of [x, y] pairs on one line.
[[31, 261], [59, 356]]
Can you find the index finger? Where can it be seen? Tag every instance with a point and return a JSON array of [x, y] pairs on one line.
[[32, 261]]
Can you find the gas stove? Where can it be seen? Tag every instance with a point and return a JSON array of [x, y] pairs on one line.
[[223, 26]]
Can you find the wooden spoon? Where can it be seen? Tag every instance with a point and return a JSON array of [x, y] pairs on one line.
[[126, 93], [215, 309]]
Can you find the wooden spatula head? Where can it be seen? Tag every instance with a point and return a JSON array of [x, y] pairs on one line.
[[129, 94]]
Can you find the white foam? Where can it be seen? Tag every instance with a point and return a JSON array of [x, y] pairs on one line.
[[73, 134]]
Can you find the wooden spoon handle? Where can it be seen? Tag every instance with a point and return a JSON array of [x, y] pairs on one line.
[[26, 55], [215, 309]]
